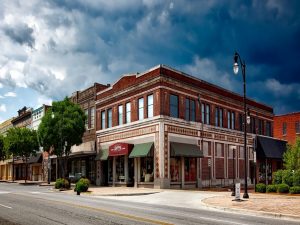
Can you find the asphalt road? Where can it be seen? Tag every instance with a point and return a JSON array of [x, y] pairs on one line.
[[39, 205]]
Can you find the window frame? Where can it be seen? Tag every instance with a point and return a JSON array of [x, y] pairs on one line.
[[174, 114], [150, 107], [141, 106], [109, 118], [120, 115], [127, 113]]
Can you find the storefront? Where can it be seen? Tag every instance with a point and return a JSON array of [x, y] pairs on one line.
[[35, 167], [184, 164]]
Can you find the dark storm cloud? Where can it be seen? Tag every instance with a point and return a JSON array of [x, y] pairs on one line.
[[21, 34]]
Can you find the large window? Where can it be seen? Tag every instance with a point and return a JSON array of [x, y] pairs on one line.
[[219, 152], [284, 126], [221, 117], [128, 112], [141, 108], [241, 119], [190, 113], [190, 169], [109, 118], [175, 169], [120, 114], [120, 168], [150, 106], [230, 120], [103, 120], [218, 117], [268, 128], [253, 125], [92, 117], [260, 127], [147, 168], [86, 122], [174, 106], [205, 112]]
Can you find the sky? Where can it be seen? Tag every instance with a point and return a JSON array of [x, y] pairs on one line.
[[51, 48]]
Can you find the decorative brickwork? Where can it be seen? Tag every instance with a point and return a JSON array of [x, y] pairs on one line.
[[156, 154], [166, 156]]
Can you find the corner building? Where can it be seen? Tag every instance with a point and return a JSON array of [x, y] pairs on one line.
[[166, 129]]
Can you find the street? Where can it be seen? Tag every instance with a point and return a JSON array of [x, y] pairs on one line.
[[41, 205]]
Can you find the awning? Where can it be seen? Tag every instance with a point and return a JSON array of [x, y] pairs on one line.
[[185, 150], [35, 159], [268, 147], [102, 155], [141, 150], [119, 149]]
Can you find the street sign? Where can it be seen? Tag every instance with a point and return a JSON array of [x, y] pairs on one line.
[[237, 191]]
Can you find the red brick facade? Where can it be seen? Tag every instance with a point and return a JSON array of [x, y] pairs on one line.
[[291, 121]]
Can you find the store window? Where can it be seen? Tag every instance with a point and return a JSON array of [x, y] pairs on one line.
[[110, 169], [141, 108], [175, 169], [109, 118], [150, 106], [103, 120], [120, 168], [174, 106], [128, 112], [190, 169], [147, 168], [120, 114], [92, 117]]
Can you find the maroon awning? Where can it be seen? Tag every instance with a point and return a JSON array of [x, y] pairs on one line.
[[120, 149]]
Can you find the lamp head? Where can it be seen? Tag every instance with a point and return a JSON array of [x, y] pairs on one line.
[[236, 65]]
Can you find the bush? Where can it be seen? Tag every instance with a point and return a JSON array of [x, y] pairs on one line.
[[62, 183], [271, 188], [277, 177], [295, 190], [82, 185], [287, 177], [296, 178], [261, 188], [283, 188]]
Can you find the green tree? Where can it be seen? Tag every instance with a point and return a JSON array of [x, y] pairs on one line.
[[62, 127], [2, 151], [21, 142], [291, 157]]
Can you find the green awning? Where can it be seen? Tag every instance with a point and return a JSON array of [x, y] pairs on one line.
[[185, 150], [103, 155], [141, 150]]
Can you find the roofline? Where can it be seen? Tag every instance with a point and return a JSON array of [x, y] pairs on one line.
[[274, 138], [287, 114]]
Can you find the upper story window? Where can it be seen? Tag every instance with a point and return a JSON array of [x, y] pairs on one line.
[[190, 113], [103, 120], [141, 108], [241, 119], [268, 129], [86, 122], [128, 112], [284, 126], [150, 106], [260, 127], [174, 106], [109, 118], [92, 117], [120, 114], [205, 113], [297, 127], [231, 120], [253, 125], [219, 117]]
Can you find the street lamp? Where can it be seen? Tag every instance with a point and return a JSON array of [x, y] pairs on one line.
[[246, 118]]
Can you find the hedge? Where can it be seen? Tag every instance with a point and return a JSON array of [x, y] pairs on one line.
[[283, 188], [82, 185], [295, 190], [271, 188], [296, 178], [287, 177], [277, 177], [261, 188], [62, 183]]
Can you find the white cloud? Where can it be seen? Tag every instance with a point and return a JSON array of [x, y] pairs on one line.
[[1, 85], [279, 89], [10, 94], [2, 108], [1, 96]]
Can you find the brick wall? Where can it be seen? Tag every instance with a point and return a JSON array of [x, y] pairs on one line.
[[290, 120]]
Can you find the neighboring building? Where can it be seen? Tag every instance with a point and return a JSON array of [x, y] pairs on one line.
[[81, 162], [5, 166], [150, 128], [287, 127]]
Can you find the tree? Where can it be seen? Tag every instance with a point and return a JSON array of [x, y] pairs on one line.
[[291, 157], [2, 151], [21, 142], [62, 127]]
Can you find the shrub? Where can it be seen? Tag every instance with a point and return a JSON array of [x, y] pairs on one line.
[[287, 177], [296, 178], [271, 188], [283, 188], [277, 177], [62, 183], [261, 188], [82, 185], [295, 190]]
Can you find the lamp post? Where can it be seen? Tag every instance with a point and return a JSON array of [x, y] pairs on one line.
[[237, 58]]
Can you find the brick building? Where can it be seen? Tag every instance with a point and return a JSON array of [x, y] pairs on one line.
[[287, 127], [167, 129]]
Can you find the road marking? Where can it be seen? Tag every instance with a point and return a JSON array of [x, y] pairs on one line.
[[6, 206], [4, 192], [35, 192], [131, 217]]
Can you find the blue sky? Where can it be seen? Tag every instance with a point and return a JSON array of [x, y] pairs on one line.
[[51, 48]]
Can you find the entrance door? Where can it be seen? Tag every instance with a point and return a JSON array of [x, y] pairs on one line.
[[130, 172]]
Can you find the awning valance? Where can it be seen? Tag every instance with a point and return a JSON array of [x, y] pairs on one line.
[[185, 150], [271, 148], [141, 150], [119, 149], [102, 155]]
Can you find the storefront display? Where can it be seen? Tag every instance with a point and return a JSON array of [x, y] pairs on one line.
[[175, 169], [189, 169], [147, 166]]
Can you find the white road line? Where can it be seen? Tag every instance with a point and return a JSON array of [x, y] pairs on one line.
[[4, 192], [6, 206]]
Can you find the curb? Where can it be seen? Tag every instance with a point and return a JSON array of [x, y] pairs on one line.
[[253, 212], [125, 194]]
